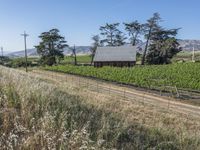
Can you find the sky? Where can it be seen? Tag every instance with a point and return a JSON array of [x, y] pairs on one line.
[[78, 20]]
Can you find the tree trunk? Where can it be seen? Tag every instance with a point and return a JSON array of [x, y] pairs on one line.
[[92, 59], [111, 39], [75, 60], [146, 47], [134, 39]]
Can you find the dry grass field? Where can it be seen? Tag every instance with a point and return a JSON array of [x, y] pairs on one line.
[[39, 113]]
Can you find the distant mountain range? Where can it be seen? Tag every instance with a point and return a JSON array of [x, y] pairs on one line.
[[80, 50], [187, 45]]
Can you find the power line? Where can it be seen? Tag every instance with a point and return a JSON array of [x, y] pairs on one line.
[[25, 36]]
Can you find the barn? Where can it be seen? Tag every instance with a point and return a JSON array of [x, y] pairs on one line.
[[122, 56]]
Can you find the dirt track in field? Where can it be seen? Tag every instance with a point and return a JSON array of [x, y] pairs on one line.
[[118, 91]]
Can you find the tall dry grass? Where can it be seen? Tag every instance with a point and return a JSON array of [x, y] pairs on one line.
[[37, 114]]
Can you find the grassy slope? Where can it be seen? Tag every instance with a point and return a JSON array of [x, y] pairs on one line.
[[80, 59], [37, 114], [186, 56], [185, 75]]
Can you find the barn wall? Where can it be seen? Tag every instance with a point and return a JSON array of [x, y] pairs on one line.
[[115, 64]]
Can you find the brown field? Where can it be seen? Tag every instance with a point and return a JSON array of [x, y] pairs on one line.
[[39, 111]]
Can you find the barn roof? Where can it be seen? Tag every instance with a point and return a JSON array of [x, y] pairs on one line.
[[121, 53]]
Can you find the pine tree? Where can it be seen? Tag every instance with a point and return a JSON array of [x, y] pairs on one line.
[[111, 34], [134, 30], [51, 47], [163, 46], [151, 25], [95, 44]]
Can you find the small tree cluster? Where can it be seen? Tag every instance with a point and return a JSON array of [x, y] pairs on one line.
[[163, 47], [161, 44], [51, 47]]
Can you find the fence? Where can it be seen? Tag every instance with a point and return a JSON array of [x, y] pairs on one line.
[[141, 97]]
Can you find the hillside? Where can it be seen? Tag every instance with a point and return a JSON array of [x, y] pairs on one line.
[[188, 45], [81, 50]]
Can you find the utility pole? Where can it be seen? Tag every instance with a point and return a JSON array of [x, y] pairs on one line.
[[25, 36], [2, 51], [74, 51], [193, 55], [2, 54]]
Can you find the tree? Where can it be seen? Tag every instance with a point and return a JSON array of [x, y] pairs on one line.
[[74, 55], [163, 46], [51, 47], [119, 39], [4, 59], [95, 44], [134, 29], [151, 25], [111, 33]]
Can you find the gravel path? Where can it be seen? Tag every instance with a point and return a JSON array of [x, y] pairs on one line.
[[118, 91]]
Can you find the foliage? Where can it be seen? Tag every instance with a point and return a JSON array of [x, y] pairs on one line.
[[151, 25], [86, 59], [96, 43], [120, 39], [20, 62], [4, 60], [51, 47], [180, 75], [164, 46], [134, 29], [112, 35]]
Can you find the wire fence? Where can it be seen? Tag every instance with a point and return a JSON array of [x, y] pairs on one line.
[[141, 97]]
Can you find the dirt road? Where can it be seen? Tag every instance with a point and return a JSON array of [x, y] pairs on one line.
[[125, 93]]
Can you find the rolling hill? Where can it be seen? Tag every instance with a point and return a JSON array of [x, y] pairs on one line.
[[187, 45], [81, 50]]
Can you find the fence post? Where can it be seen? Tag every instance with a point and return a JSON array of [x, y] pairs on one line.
[[88, 84], [143, 99], [161, 91], [178, 94], [168, 103], [97, 87]]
